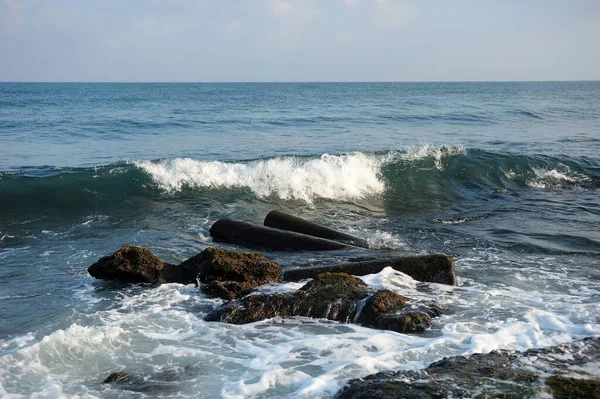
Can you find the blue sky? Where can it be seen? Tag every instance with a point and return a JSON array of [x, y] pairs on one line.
[[299, 40]]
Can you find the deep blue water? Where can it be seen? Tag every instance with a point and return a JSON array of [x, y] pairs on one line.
[[505, 177]]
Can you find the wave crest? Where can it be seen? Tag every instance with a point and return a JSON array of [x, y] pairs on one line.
[[335, 177]]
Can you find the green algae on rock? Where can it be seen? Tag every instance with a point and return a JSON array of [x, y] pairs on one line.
[[130, 264], [225, 274], [332, 296]]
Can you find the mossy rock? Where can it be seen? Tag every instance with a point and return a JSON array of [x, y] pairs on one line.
[[130, 264], [563, 387], [226, 274], [229, 274], [333, 296]]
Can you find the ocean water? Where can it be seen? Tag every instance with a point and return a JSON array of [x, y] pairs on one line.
[[504, 177]]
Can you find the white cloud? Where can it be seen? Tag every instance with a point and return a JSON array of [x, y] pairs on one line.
[[350, 3], [391, 13]]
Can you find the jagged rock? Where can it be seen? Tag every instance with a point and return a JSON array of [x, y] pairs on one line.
[[333, 296], [558, 371], [229, 274], [226, 274]]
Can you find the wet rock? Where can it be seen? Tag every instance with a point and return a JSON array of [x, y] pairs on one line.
[[253, 236], [437, 268], [118, 377], [285, 221], [129, 264], [135, 383], [571, 388], [557, 371], [226, 274], [333, 296], [229, 274], [163, 382]]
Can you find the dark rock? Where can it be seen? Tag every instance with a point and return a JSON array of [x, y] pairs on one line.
[[499, 374], [285, 221], [118, 377], [164, 382], [225, 274], [250, 235], [333, 296], [131, 265], [229, 274], [436, 268], [573, 388]]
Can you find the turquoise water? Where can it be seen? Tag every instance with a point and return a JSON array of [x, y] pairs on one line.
[[505, 177]]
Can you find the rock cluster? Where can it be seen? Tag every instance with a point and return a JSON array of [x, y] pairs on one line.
[[235, 275], [333, 296], [557, 371], [224, 274]]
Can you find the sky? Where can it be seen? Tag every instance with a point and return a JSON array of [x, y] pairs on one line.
[[299, 40]]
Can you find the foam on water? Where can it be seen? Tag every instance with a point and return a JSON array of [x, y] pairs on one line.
[[553, 178], [337, 177], [148, 331], [431, 151]]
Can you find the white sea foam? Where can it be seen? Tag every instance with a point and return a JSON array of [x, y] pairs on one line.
[[433, 151], [336, 177], [383, 240], [148, 330], [553, 178]]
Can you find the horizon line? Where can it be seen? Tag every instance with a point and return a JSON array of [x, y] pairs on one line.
[[294, 81]]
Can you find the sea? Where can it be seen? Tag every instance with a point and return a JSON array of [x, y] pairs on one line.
[[504, 177]]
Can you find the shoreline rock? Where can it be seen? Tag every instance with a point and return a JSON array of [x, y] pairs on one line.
[[333, 296], [225, 274], [437, 268], [557, 370], [284, 221], [267, 238]]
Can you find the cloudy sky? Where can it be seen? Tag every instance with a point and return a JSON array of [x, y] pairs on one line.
[[299, 40]]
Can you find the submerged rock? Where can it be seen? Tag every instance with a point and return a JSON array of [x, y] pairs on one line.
[[333, 296], [226, 274], [163, 382], [558, 371]]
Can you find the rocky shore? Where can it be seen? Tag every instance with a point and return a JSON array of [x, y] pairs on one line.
[[334, 293], [563, 372]]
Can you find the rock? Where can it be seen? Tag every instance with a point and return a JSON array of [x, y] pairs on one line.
[[226, 274], [500, 374], [436, 268], [229, 274], [284, 221], [163, 382], [118, 377], [250, 235], [568, 387], [129, 264], [333, 296]]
